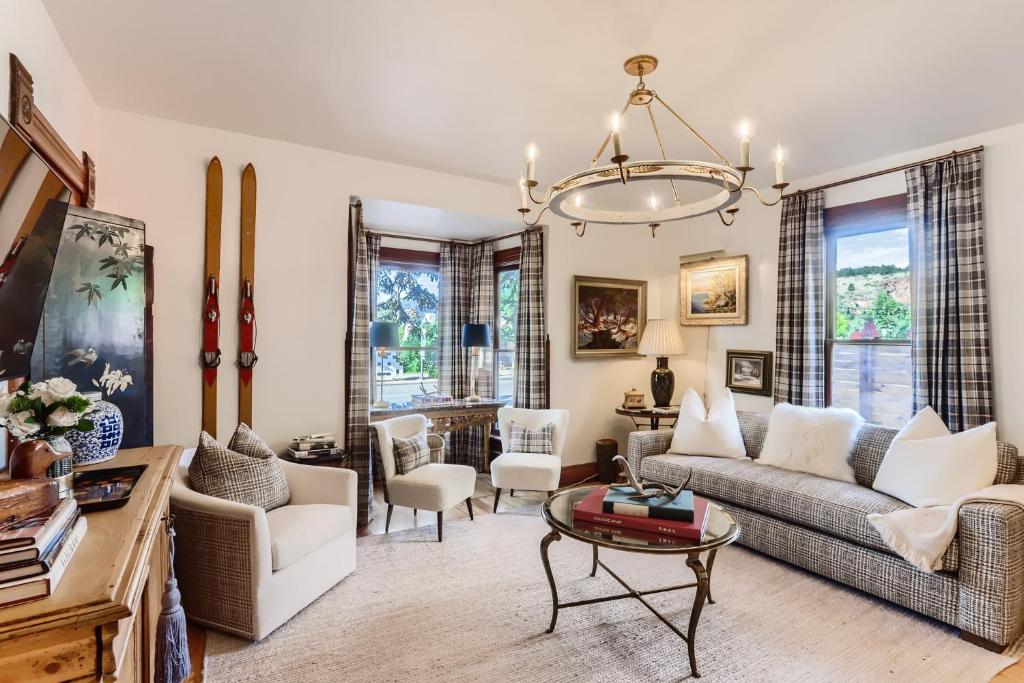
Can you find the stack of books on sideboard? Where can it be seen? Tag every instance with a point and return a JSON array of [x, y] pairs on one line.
[[315, 447], [39, 535], [615, 511]]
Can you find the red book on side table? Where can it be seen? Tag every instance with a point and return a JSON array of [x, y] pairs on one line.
[[589, 510]]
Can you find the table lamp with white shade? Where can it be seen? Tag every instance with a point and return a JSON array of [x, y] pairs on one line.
[[662, 339], [475, 336], [383, 337]]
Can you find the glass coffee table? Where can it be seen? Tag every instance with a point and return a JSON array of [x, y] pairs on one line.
[[721, 530]]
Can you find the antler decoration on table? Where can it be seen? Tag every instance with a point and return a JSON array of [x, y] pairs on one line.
[[661, 490]]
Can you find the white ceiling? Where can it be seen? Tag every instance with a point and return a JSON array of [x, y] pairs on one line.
[[462, 86], [388, 216]]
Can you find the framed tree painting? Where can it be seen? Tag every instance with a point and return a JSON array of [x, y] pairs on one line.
[[713, 292], [608, 316]]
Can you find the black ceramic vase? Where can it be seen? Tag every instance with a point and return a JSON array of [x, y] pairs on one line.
[[663, 383]]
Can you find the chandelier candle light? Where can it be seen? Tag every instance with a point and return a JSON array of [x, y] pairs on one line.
[[565, 197]]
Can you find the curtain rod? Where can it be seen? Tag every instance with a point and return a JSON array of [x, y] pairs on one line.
[[886, 171], [417, 238]]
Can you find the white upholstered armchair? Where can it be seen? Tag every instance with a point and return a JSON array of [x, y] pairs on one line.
[[529, 471], [244, 570], [435, 486]]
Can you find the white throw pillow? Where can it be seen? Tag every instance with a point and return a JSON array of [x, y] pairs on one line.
[[814, 440], [717, 435], [927, 465]]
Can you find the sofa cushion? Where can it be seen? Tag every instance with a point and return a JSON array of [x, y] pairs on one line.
[[834, 507], [869, 451], [298, 530]]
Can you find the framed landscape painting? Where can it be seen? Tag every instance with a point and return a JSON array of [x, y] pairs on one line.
[[608, 316], [713, 292], [749, 372]]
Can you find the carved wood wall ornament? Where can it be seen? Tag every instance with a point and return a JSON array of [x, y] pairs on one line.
[[78, 174]]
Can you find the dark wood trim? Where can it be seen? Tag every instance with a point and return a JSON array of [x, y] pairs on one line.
[[353, 218], [547, 371], [149, 255], [78, 174], [983, 643], [507, 259], [410, 257], [572, 474]]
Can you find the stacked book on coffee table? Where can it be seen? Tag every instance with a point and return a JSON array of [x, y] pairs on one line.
[[617, 511], [35, 549]]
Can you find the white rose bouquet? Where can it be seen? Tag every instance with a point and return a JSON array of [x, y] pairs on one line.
[[45, 409]]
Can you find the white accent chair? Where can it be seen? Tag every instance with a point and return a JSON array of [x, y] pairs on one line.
[[247, 571], [434, 486], [529, 471]]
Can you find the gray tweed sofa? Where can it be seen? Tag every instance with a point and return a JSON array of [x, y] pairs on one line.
[[821, 525]]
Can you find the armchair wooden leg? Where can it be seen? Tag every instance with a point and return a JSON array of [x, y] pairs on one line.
[[387, 522], [469, 506], [551, 493], [497, 495], [440, 525], [414, 512], [512, 493]]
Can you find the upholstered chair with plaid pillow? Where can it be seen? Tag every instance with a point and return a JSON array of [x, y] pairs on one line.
[[251, 556], [531, 444], [410, 479]]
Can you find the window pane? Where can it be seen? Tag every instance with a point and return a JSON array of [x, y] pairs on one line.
[[872, 286], [508, 308], [505, 375], [409, 296], [874, 380], [406, 372]]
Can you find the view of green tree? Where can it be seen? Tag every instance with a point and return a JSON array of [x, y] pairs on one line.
[[890, 316], [410, 298], [884, 269], [508, 307]]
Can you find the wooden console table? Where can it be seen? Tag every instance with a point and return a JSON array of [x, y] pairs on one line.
[[449, 417], [100, 624]]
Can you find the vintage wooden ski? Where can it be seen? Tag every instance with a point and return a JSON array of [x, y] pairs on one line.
[[210, 355], [246, 309]]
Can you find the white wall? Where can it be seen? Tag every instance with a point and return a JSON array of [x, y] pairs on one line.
[[592, 388], [154, 170], [60, 93]]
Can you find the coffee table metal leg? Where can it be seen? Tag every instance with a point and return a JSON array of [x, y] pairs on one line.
[[593, 569], [711, 564], [545, 542], [703, 585]]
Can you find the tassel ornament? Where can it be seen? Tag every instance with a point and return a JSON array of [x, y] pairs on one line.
[[173, 664]]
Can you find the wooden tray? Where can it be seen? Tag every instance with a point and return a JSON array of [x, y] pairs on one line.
[[106, 489]]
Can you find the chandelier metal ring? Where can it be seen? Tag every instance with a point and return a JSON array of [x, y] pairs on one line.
[[561, 197]]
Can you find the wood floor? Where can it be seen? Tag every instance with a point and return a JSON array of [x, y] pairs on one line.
[[483, 504]]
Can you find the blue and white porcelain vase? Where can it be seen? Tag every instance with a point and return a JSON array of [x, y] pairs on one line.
[[102, 442]]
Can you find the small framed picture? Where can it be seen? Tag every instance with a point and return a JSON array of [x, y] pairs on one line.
[[749, 372]]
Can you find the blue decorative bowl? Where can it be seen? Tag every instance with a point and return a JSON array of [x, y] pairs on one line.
[[102, 442]]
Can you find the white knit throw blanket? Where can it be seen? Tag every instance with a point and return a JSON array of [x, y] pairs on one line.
[[922, 535]]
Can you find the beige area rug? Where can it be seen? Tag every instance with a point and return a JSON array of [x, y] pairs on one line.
[[475, 607]]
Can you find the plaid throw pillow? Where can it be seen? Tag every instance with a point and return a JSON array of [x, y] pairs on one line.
[[523, 440], [246, 442], [410, 453], [249, 479]]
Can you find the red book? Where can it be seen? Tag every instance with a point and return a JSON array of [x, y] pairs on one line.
[[590, 510]]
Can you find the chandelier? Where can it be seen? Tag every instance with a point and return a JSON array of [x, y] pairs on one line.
[[571, 197]]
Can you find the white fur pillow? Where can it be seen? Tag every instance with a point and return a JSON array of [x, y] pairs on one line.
[[927, 465], [814, 440], [718, 434]]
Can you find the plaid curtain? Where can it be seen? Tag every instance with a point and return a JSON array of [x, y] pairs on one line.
[[800, 317], [950, 347], [363, 282], [531, 334], [467, 296]]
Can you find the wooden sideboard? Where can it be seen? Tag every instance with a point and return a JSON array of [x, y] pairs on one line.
[[101, 622]]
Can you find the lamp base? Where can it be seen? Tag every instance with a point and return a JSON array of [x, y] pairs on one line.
[[381, 405], [473, 398], [663, 383]]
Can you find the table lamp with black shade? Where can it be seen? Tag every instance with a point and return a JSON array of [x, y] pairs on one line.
[[475, 336], [383, 337], [662, 338]]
